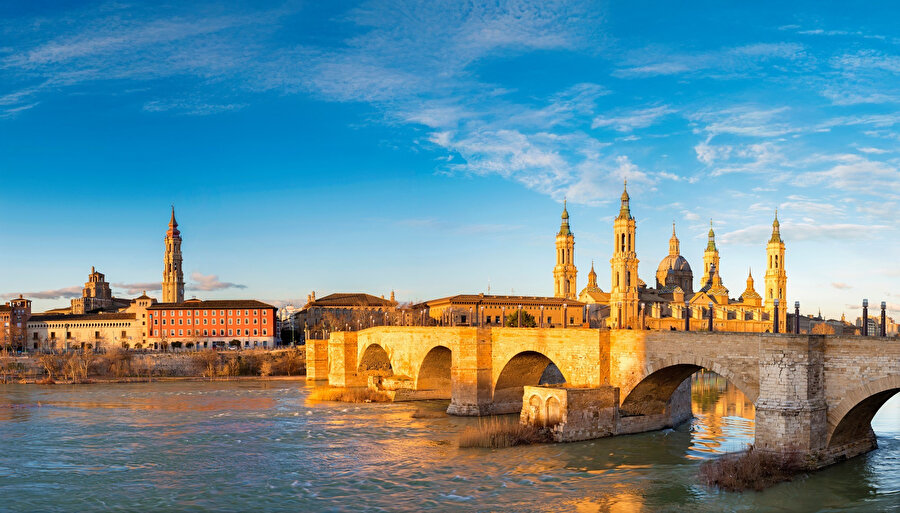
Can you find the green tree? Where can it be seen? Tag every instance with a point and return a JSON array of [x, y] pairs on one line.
[[528, 321]]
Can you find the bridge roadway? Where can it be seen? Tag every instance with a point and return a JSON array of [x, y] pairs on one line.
[[814, 394]]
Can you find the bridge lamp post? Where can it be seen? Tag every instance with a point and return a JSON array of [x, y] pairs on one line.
[[775, 325], [481, 318], [865, 320], [710, 316], [519, 316], [503, 316], [797, 317], [565, 313], [542, 316], [883, 319], [687, 318]]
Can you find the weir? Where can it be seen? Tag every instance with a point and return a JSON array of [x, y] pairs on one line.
[[815, 395]]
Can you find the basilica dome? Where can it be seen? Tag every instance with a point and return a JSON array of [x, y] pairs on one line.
[[673, 262]]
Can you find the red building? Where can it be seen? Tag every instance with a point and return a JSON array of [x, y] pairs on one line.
[[197, 324], [14, 317]]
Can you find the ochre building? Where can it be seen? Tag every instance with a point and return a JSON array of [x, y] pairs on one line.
[[673, 303]]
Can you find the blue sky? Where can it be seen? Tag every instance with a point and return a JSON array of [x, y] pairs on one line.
[[426, 147]]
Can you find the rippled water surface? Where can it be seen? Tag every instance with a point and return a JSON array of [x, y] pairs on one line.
[[261, 446]]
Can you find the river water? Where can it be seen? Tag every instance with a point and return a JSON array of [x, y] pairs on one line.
[[262, 446]]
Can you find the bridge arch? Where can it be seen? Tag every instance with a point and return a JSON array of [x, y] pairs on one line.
[[375, 361], [851, 420], [434, 371], [525, 368], [658, 381]]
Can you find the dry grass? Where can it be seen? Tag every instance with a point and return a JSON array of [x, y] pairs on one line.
[[349, 395], [497, 433], [750, 470]]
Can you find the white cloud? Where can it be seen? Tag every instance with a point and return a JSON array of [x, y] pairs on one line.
[[210, 282], [760, 233], [729, 61], [640, 118], [841, 285], [855, 173]]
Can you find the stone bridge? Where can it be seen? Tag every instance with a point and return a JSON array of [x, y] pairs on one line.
[[814, 394]]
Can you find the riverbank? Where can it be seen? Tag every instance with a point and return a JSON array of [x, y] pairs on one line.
[[122, 366], [164, 379]]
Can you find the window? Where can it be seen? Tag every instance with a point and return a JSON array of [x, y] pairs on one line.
[[204, 321], [214, 322], [35, 335], [255, 320], [254, 332], [254, 312], [229, 321], [246, 333], [221, 332], [124, 335], [164, 322], [264, 331], [221, 312], [155, 333], [229, 312], [265, 321], [155, 321], [247, 312], [229, 332], [497, 319], [549, 320], [205, 333], [180, 332], [180, 322]]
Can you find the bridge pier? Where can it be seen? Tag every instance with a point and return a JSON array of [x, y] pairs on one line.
[[791, 412], [471, 375], [316, 360], [342, 360]]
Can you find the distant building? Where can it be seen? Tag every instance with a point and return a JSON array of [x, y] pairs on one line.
[[341, 311], [97, 296], [14, 317], [196, 324], [486, 310], [674, 302]]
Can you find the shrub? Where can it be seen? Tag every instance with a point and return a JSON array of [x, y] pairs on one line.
[[750, 470], [497, 433], [206, 362]]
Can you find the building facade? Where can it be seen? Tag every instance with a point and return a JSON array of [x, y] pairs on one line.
[[345, 311], [487, 310], [197, 324]]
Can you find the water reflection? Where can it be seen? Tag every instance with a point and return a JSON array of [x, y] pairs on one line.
[[244, 446], [723, 416]]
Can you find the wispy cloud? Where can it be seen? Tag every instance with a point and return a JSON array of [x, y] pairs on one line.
[[804, 232], [841, 286], [136, 288], [63, 293], [210, 282], [627, 122], [734, 61]]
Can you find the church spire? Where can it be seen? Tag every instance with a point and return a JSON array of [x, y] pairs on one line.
[[674, 243], [173, 225], [625, 210], [711, 244], [776, 229], [564, 225]]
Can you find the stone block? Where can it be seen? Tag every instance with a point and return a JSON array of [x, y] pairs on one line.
[[572, 414]]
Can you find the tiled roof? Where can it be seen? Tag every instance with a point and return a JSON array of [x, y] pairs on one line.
[[506, 300], [192, 304], [80, 318], [354, 299]]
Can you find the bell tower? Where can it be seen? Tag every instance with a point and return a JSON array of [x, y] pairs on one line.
[[565, 272], [776, 277], [173, 276], [623, 298]]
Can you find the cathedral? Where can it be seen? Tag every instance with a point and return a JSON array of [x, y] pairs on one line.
[[673, 303]]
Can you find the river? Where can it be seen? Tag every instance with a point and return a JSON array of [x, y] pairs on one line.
[[262, 446]]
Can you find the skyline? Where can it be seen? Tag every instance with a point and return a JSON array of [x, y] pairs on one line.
[[310, 147]]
